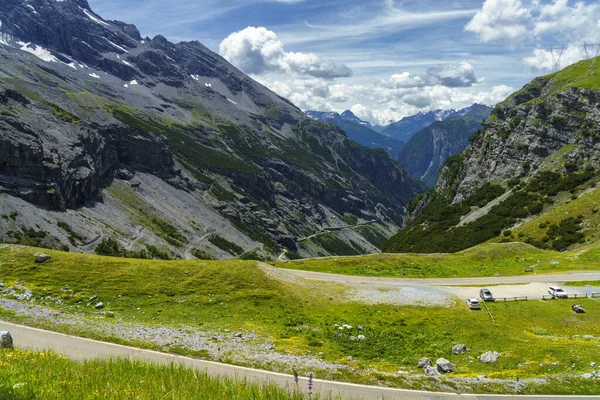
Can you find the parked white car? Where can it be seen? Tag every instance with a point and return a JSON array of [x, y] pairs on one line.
[[473, 304], [555, 291]]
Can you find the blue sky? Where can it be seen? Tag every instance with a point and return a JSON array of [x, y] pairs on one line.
[[384, 59]]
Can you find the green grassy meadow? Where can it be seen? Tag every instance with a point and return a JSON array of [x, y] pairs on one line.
[[306, 319], [44, 375], [489, 259]]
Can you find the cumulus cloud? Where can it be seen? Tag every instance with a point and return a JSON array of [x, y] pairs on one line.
[[258, 51], [543, 60], [520, 22], [500, 20], [454, 75], [449, 75], [406, 102], [405, 80], [517, 21]]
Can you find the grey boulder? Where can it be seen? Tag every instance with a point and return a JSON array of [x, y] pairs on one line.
[[6, 341], [424, 363], [41, 257], [489, 357], [444, 366], [431, 371], [459, 349]]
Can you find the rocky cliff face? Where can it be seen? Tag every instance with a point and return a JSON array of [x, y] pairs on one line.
[[427, 151], [139, 146], [538, 151], [552, 113]]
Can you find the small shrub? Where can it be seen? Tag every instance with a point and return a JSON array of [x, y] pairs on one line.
[[225, 245], [201, 254]]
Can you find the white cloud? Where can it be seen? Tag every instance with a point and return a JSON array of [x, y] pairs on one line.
[[454, 75], [543, 22], [406, 102], [372, 20], [579, 22], [543, 60], [441, 87], [517, 22], [405, 80], [450, 75], [500, 20], [258, 51]]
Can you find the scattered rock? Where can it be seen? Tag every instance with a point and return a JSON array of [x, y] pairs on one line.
[[489, 357], [350, 358], [20, 292], [99, 305], [593, 365], [41, 257], [587, 376], [94, 297], [361, 337], [482, 377], [424, 362], [459, 349], [433, 372], [360, 327], [6, 341], [444, 366], [270, 347], [124, 174], [238, 335]]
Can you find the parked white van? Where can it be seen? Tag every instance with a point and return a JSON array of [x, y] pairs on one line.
[[555, 291]]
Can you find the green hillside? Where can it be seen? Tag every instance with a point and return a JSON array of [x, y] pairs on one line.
[[537, 151]]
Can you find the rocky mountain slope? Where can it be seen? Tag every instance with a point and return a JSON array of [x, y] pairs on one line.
[[404, 129], [134, 146], [358, 130], [427, 151], [539, 150]]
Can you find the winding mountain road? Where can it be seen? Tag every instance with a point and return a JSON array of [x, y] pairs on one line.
[[79, 348], [576, 276], [422, 291]]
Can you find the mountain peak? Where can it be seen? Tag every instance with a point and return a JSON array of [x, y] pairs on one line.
[[348, 114]]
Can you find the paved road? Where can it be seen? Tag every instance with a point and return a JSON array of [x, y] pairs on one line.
[[496, 280], [80, 348]]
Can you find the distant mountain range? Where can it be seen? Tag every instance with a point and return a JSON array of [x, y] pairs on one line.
[[358, 130], [421, 142], [427, 151], [404, 129]]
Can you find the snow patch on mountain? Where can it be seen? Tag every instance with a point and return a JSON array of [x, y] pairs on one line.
[[94, 18], [37, 51]]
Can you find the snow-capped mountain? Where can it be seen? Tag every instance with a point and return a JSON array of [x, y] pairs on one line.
[[333, 117], [404, 129], [358, 130]]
